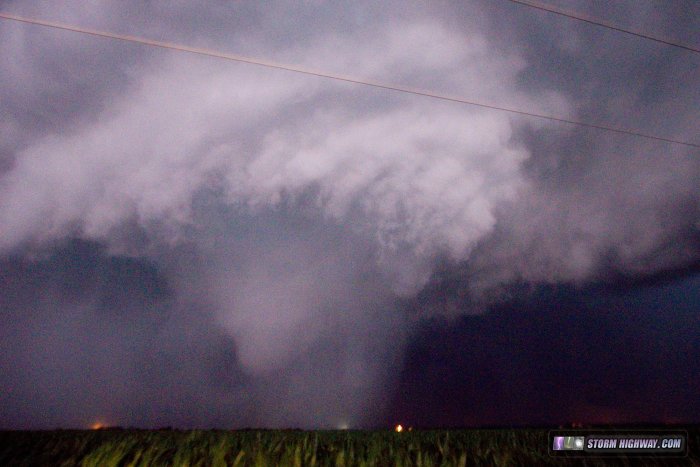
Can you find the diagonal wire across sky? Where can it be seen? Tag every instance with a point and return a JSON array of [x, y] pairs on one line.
[[328, 75], [603, 23]]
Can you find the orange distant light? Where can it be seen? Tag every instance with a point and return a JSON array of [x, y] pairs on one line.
[[97, 426], [398, 428]]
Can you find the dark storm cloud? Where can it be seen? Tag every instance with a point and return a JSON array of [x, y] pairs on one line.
[[559, 355], [619, 212], [92, 337], [600, 205], [258, 243]]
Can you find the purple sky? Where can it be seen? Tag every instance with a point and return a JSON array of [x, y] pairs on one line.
[[188, 241]]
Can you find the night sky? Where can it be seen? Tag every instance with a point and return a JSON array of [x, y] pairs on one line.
[[192, 242]]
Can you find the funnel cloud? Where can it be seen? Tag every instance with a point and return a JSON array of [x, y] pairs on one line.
[[191, 242]]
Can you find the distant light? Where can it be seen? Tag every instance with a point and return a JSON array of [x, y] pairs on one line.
[[343, 426], [96, 426], [398, 428]]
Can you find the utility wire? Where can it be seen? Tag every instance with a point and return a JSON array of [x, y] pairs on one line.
[[337, 77], [603, 23]]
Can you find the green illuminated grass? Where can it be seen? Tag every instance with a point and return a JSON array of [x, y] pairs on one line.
[[288, 447]]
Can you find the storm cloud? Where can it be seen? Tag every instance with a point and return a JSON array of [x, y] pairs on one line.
[[193, 242]]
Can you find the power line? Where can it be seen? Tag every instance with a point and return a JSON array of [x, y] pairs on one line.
[[337, 77], [603, 23]]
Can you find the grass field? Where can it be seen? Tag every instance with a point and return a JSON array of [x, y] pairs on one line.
[[117, 447]]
